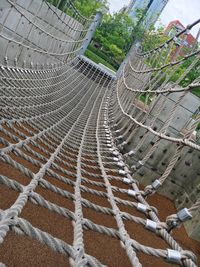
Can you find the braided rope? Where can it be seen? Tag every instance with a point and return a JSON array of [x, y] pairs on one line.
[[57, 121]]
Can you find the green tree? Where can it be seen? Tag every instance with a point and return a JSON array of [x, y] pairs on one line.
[[153, 38], [86, 7], [89, 7], [116, 52], [113, 35]]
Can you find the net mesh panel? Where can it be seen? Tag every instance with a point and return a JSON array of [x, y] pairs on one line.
[[65, 180]]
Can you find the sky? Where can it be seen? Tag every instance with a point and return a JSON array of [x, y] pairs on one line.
[[187, 11]]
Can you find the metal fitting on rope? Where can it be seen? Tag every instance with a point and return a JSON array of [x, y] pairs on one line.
[[127, 180], [115, 159], [132, 152], [156, 184], [184, 215], [141, 207], [151, 225], [139, 164], [173, 256], [150, 189], [127, 170], [122, 172], [120, 164], [132, 193], [115, 153], [133, 167]]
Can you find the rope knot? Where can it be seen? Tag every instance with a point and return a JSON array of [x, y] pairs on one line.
[[175, 220], [172, 222], [148, 191]]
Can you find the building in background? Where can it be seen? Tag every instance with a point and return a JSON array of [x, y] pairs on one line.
[[154, 11], [131, 4], [184, 43], [125, 9], [151, 10]]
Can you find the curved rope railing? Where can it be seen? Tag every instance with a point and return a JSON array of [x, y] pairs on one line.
[[150, 78], [185, 30], [42, 43], [50, 7]]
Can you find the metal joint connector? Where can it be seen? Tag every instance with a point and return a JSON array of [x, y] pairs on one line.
[[184, 215], [122, 172], [173, 256], [156, 184], [132, 193], [141, 207], [127, 181], [151, 225]]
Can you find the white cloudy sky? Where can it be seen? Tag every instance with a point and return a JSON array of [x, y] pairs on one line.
[[187, 11]]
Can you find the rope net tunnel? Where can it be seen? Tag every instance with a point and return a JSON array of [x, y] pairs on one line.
[[69, 190]]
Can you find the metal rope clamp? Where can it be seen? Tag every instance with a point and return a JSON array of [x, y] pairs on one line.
[[132, 193], [156, 184], [140, 163], [141, 207], [115, 153], [127, 181], [108, 141], [124, 143], [184, 215], [122, 172], [151, 225], [173, 256], [120, 164], [115, 159], [130, 153]]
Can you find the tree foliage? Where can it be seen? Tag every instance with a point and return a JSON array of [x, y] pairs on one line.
[[153, 39], [117, 33], [89, 7], [113, 35], [86, 7]]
